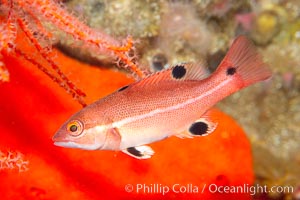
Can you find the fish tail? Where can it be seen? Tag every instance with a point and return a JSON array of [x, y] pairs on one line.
[[244, 60]]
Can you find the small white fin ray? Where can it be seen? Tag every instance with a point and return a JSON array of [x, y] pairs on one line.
[[139, 152]]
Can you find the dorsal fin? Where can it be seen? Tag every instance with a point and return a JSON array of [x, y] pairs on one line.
[[179, 72], [196, 71]]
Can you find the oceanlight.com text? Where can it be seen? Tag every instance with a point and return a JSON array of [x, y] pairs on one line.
[[251, 189], [157, 188]]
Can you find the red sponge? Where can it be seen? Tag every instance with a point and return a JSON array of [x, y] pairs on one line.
[[32, 108]]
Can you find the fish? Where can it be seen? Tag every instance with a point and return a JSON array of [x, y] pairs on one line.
[[177, 101]]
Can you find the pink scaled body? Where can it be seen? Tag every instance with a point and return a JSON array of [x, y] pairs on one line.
[[176, 101]]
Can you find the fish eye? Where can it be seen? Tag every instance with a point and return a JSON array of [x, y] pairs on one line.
[[75, 128]]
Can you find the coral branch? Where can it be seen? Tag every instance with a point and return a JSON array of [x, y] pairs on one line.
[[4, 74], [62, 84], [13, 160], [128, 63], [100, 42], [55, 13], [29, 16], [45, 55], [8, 30]]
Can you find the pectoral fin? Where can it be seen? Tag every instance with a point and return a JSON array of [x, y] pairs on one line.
[[113, 140], [139, 152]]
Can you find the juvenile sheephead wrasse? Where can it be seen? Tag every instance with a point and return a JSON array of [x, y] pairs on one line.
[[176, 101]]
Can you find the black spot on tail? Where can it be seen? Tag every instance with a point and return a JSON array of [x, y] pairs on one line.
[[230, 71], [198, 128], [123, 88], [134, 151], [178, 71]]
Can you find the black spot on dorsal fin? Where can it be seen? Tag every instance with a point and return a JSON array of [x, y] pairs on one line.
[[189, 71], [199, 128], [178, 71], [123, 88], [231, 71]]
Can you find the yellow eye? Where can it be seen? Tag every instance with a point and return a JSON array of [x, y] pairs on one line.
[[75, 127]]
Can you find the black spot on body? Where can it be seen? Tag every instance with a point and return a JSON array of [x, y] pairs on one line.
[[230, 71], [134, 151], [123, 88], [198, 128], [178, 71]]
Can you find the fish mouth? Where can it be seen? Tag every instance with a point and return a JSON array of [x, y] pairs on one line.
[[58, 137], [78, 146]]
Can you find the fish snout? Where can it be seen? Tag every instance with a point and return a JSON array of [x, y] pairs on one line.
[[59, 136]]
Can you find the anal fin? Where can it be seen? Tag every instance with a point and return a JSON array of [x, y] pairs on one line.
[[201, 127], [139, 152]]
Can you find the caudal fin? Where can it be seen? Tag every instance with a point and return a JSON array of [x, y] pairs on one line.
[[244, 60]]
